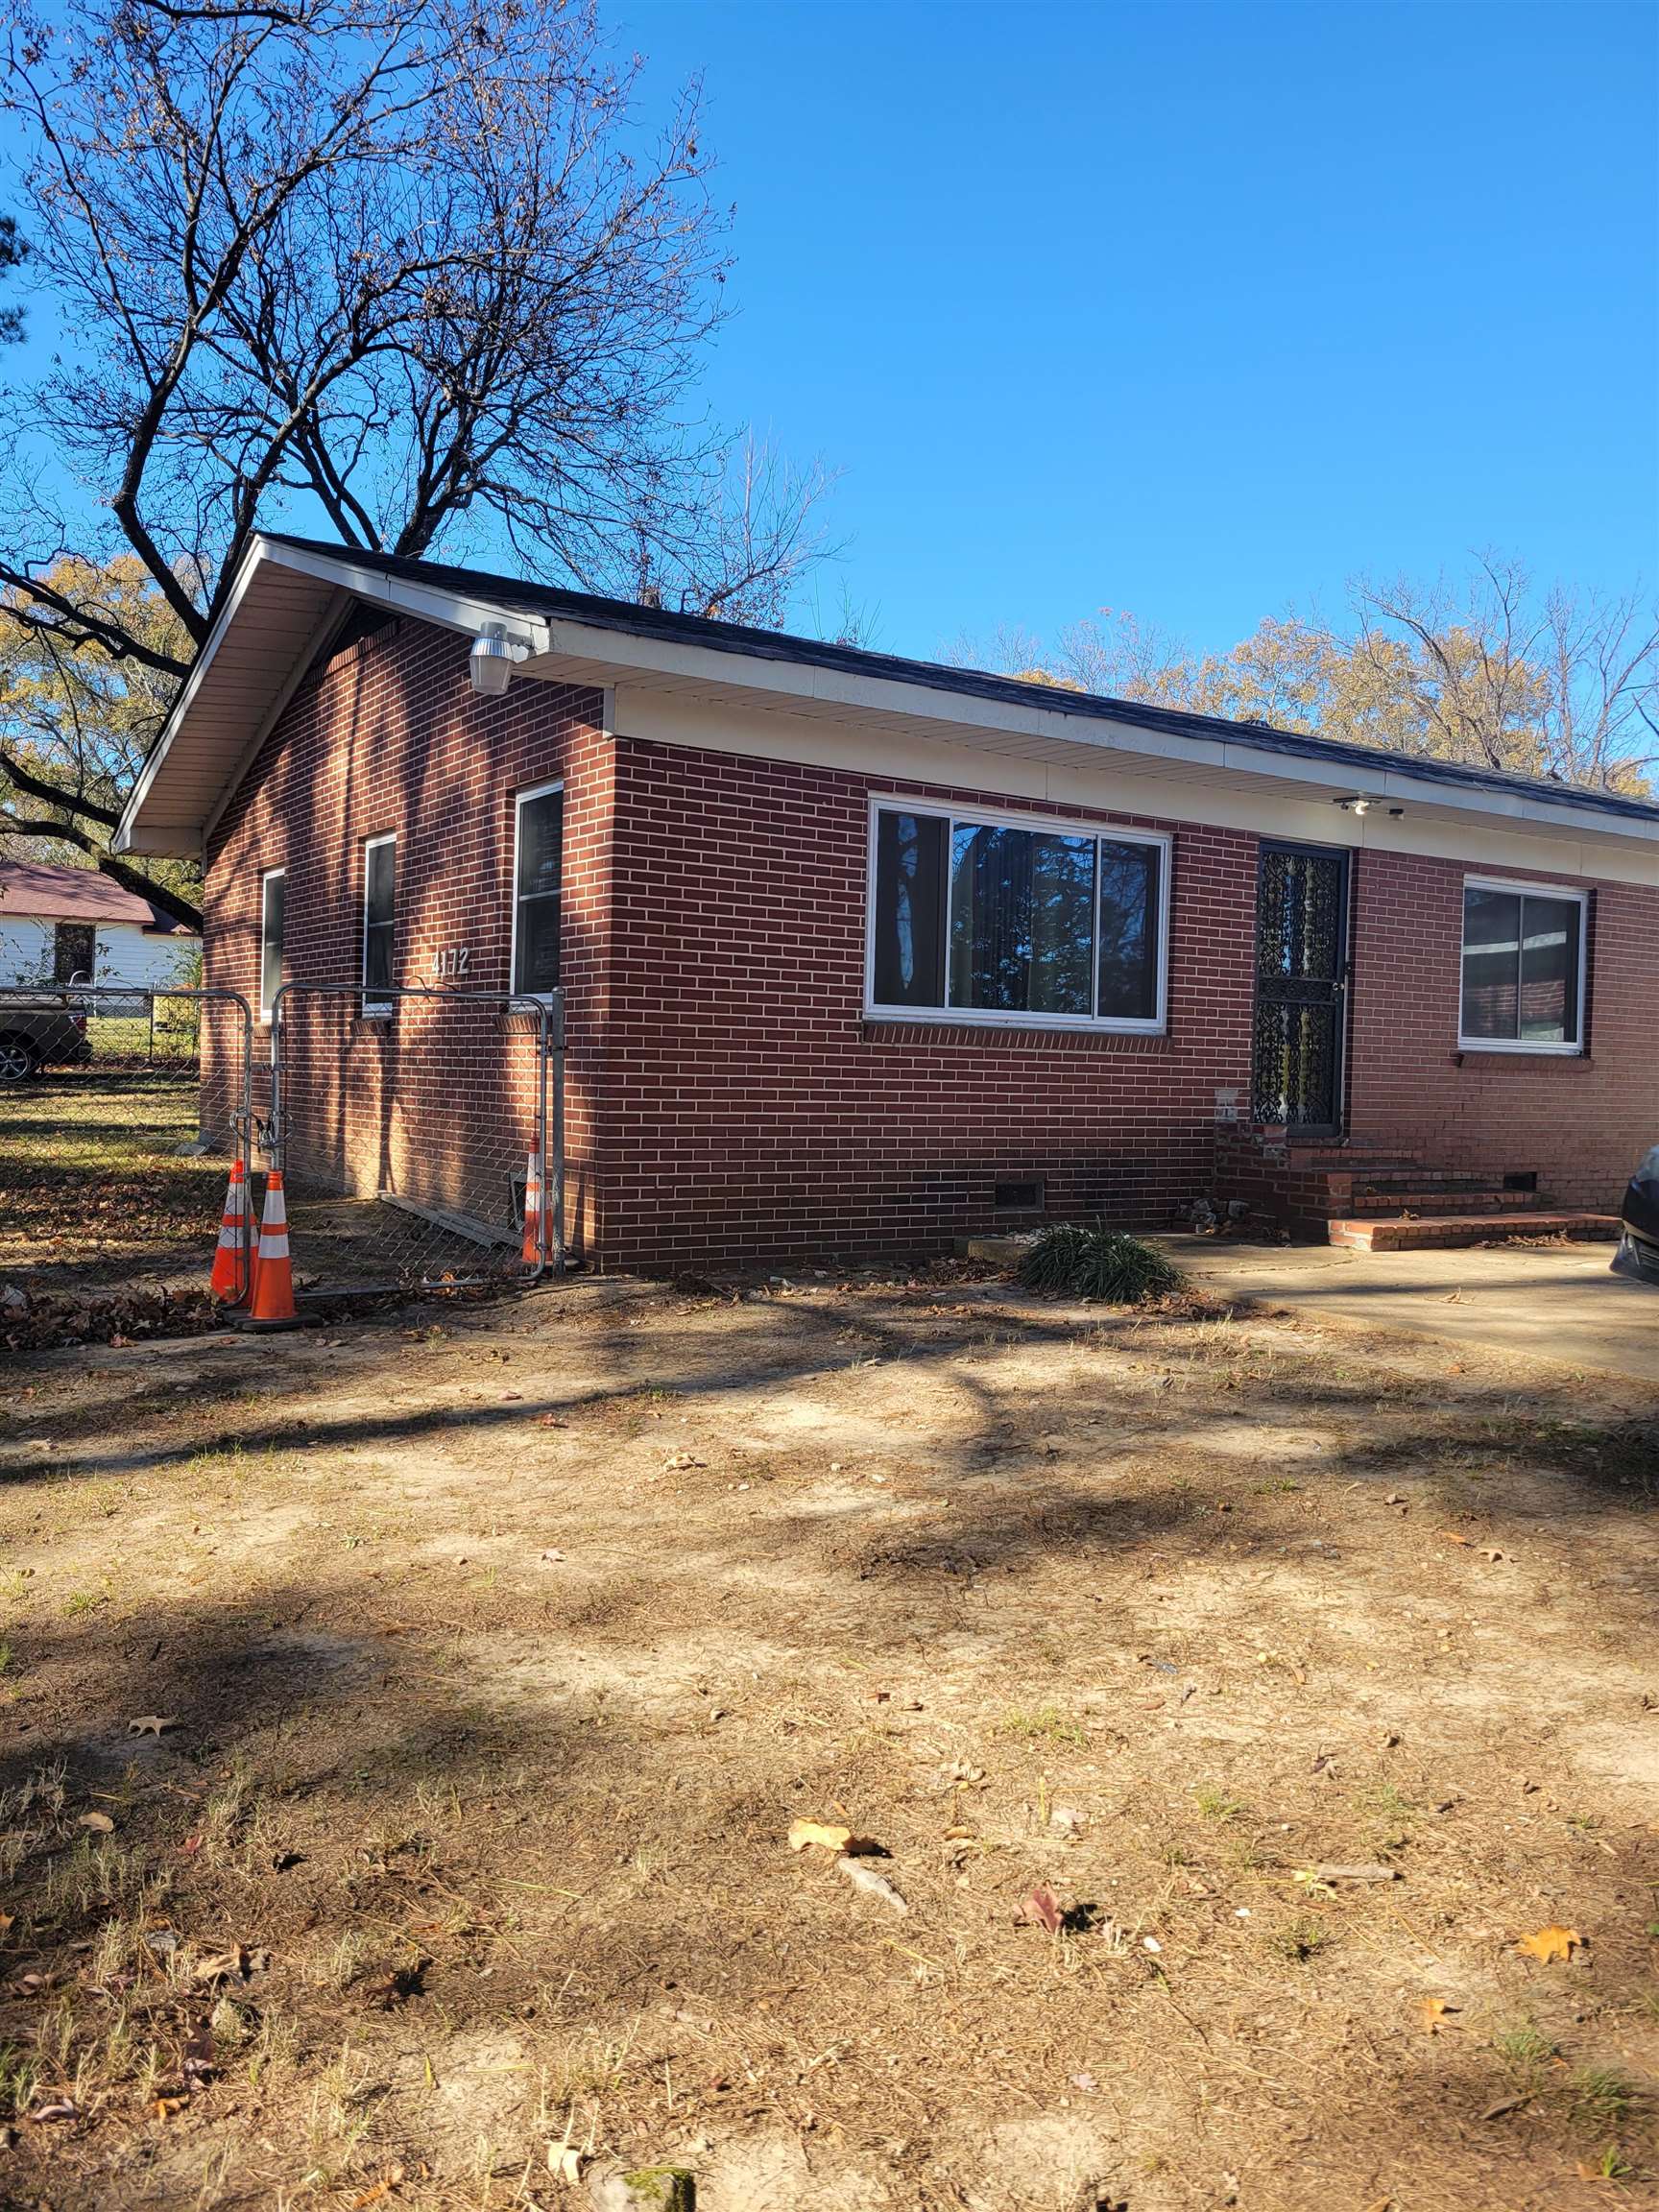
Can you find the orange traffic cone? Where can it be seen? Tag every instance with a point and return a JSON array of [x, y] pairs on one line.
[[226, 1283], [270, 1301], [531, 1253]]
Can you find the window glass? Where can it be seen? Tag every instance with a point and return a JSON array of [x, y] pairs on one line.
[[909, 910], [74, 952], [1021, 930], [1520, 961], [272, 905], [379, 917], [994, 919], [1491, 962], [1129, 890], [1549, 970], [538, 881]]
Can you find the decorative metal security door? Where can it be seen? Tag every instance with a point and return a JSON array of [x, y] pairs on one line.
[[1301, 988]]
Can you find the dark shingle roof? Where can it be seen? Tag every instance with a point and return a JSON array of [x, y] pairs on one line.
[[629, 620]]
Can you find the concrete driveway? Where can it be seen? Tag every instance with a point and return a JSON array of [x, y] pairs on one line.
[[1556, 1303]]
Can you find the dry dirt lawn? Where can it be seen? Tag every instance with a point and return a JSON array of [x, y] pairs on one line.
[[403, 1722]]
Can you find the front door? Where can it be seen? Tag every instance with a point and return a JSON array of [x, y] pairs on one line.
[[1301, 988]]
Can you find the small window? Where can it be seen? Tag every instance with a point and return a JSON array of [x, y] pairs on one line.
[[1017, 1197], [983, 918], [1523, 969], [74, 952], [379, 922], [538, 881], [272, 899]]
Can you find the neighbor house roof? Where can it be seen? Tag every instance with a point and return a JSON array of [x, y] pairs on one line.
[[290, 594], [31, 891]]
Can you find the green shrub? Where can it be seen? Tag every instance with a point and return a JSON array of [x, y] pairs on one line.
[[1097, 1262]]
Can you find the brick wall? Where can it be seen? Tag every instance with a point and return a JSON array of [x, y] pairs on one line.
[[1579, 1122], [755, 1111], [389, 737], [727, 1099]]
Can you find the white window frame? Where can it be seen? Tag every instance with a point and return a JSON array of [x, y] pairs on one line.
[[1563, 892], [267, 878], [519, 800], [988, 1018], [376, 1009]]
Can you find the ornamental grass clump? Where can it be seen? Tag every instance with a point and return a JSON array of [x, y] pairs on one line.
[[1099, 1263]]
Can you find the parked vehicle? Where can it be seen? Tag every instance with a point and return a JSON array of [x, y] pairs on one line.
[[41, 1031], [1638, 1253]]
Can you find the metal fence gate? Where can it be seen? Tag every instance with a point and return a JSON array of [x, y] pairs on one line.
[[420, 1134], [121, 1109]]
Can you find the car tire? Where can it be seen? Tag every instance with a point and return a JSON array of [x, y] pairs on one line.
[[18, 1058]]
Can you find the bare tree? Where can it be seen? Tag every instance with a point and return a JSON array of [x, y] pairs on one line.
[[13, 253], [406, 265], [1486, 671]]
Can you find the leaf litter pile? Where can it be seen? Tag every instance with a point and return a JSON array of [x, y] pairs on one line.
[[857, 1742]]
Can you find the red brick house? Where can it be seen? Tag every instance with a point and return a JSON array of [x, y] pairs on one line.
[[862, 953]]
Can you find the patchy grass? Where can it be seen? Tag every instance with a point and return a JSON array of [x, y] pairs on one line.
[[91, 1187], [480, 1666]]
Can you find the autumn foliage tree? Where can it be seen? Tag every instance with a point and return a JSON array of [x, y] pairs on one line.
[[404, 270], [1486, 671]]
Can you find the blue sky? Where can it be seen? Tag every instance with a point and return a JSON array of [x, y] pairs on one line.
[[1190, 309]]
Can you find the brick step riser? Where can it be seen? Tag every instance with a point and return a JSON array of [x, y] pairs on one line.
[[1450, 1234], [1428, 1179], [1431, 1202]]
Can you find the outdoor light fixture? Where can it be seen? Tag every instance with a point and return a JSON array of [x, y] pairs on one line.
[[1357, 802], [490, 664]]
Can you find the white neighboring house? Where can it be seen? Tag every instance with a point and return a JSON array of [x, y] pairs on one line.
[[74, 926]]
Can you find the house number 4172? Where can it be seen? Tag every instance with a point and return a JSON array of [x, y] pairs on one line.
[[451, 960]]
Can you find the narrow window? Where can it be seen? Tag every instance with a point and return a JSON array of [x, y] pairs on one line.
[[273, 898], [74, 952], [1129, 893], [909, 909], [379, 922], [1001, 921], [1523, 969], [538, 881]]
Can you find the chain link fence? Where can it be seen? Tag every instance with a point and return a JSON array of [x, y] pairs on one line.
[[121, 1111], [420, 1136]]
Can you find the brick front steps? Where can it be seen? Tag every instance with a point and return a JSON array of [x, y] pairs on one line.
[[1398, 1232]]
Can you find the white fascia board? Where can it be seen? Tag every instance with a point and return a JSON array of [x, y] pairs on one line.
[[426, 601], [621, 652]]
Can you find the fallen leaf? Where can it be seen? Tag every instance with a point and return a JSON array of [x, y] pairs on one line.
[[1434, 2010], [387, 2182], [1502, 2105], [99, 1823], [1451, 1536], [64, 2108], [153, 1724], [1041, 1910], [1551, 1943], [235, 1965], [872, 1884], [804, 1832], [165, 2106], [564, 2163]]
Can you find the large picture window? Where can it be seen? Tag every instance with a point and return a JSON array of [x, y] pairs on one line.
[[273, 902], [379, 922], [537, 886], [987, 917], [1523, 969]]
